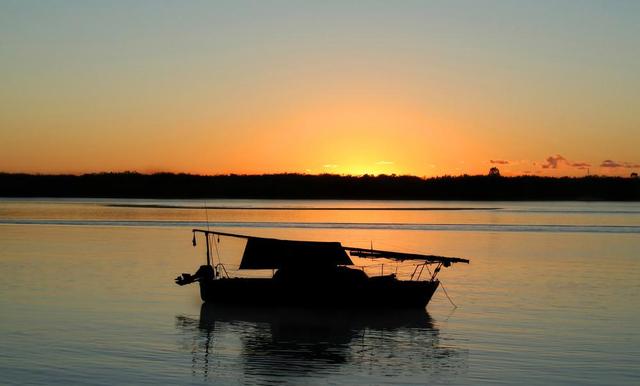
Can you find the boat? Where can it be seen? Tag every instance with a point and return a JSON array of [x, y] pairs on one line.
[[313, 274]]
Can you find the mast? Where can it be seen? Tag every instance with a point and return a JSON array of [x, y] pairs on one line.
[[208, 250]]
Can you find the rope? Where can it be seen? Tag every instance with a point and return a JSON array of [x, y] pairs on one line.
[[445, 292], [215, 243]]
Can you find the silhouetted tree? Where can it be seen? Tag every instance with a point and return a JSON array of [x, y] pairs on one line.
[[634, 175], [494, 172]]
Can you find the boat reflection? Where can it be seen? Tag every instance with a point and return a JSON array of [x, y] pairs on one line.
[[263, 343]]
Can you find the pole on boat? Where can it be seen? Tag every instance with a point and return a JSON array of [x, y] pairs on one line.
[[208, 250]]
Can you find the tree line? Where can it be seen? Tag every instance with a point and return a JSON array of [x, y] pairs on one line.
[[324, 186]]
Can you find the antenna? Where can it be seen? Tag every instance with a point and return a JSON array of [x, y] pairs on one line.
[[206, 213]]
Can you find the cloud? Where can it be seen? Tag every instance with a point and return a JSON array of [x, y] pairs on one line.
[[384, 163], [581, 165], [610, 164], [499, 161], [554, 161], [330, 166], [613, 164]]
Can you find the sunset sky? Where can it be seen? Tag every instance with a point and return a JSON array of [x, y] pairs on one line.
[[408, 87]]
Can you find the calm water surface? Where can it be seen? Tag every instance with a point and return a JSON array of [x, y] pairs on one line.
[[552, 295]]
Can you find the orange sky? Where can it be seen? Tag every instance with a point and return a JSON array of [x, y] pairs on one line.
[[425, 89]]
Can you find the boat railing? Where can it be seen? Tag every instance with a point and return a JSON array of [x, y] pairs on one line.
[[220, 268], [413, 272], [410, 271]]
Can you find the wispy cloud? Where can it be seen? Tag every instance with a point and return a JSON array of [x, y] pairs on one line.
[[554, 162], [610, 164], [384, 163], [499, 161], [613, 164], [330, 166], [581, 165]]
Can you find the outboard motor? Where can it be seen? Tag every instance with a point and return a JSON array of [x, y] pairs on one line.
[[205, 272]]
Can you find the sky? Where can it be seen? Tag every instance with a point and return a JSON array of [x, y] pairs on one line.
[[424, 88]]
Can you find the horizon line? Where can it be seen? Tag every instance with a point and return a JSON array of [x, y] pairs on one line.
[[393, 175]]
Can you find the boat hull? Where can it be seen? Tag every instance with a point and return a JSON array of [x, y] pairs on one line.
[[367, 294]]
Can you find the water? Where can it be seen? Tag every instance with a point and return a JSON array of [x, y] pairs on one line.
[[551, 295]]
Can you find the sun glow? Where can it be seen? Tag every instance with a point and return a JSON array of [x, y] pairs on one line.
[[407, 89]]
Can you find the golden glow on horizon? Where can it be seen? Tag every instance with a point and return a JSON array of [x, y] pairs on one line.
[[413, 89]]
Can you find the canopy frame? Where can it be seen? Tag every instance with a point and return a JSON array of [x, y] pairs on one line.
[[353, 251]]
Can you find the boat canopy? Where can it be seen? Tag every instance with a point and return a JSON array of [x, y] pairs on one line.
[[267, 253], [262, 253]]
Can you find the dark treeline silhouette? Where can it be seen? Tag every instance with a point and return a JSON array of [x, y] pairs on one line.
[[324, 186]]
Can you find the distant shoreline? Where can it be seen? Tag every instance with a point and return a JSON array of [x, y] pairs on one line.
[[325, 186], [368, 208]]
